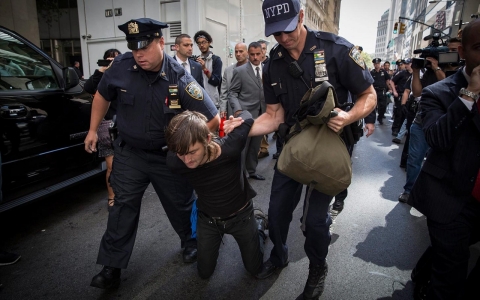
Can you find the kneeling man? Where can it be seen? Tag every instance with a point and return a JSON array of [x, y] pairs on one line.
[[213, 167]]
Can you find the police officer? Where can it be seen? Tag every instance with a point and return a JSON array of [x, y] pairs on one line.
[[150, 88], [304, 59], [399, 79], [382, 84]]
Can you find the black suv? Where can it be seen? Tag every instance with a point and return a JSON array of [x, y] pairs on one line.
[[42, 124]]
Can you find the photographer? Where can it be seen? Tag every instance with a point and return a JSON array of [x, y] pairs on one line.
[[415, 145], [104, 141]]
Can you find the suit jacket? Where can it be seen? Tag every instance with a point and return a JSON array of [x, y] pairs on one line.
[[226, 80], [246, 92], [196, 70], [447, 178]]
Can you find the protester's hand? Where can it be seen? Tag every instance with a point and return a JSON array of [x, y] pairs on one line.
[[91, 142], [395, 94], [338, 122], [369, 129], [230, 124], [223, 114]]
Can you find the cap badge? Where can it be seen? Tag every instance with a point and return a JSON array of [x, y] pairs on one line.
[[133, 28]]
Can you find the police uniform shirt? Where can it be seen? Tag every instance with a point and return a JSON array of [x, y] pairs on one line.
[[399, 80], [142, 97], [380, 78], [344, 73]]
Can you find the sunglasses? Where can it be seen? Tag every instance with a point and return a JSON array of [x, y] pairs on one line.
[[279, 33]]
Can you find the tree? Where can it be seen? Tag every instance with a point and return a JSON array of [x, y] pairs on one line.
[[367, 58]]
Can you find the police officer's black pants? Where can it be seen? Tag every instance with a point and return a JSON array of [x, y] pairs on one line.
[[398, 115], [133, 170], [243, 227], [381, 104], [284, 198]]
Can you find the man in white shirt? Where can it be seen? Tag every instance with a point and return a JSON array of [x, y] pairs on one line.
[[184, 49]]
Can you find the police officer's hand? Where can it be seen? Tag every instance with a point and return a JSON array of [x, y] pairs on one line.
[[338, 122], [230, 124], [91, 142], [369, 129]]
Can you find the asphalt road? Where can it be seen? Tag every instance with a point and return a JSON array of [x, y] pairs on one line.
[[376, 242]]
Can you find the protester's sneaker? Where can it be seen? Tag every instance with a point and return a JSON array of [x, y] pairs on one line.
[[315, 282], [7, 258]]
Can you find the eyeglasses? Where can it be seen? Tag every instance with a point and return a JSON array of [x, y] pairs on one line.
[[202, 43]]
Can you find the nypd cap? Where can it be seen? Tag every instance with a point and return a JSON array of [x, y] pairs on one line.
[[399, 61], [376, 60], [407, 61], [141, 32], [280, 15]]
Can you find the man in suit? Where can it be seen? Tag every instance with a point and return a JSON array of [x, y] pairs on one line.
[[246, 93], [184, 49], [447, 191], [241, 55]]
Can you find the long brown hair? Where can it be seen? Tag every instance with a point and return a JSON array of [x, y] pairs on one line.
[[185, 130]]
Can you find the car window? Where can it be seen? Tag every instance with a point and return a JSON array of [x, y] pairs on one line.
[[22, 68]]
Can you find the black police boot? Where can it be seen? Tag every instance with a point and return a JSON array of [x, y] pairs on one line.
[[190, 254], [315, 282], [108, 278]]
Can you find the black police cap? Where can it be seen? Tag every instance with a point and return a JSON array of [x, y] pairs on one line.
[[141, 32], [376, 60]]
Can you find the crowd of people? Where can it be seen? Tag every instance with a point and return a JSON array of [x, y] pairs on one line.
[[174, 144]]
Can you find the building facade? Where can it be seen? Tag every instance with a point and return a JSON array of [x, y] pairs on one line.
[[381, 42], [422, 18]]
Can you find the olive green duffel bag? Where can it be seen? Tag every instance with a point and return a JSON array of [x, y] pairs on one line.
[[314, 154]]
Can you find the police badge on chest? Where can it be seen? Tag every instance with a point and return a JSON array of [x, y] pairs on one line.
[[173, 99], [321, 74]]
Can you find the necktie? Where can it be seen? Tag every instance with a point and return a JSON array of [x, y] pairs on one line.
[[476, 187], [258, 75], [184, 64]]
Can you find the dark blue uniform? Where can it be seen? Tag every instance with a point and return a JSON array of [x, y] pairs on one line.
[[347, 73], [380, 84], [142, 116]]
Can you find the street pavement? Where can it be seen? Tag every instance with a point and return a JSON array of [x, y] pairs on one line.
[[376, 242]]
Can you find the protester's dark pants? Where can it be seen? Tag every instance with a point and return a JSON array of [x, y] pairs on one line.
[[133, 170], [284, 198], [410, 118], [243, 227], [381, 103], [450, 244], [398, 115]]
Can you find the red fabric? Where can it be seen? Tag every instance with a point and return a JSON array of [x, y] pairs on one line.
[[221, 133], [476, 188]]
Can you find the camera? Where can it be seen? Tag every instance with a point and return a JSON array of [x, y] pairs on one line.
[[440, 53], [194, 57], [103, 62]]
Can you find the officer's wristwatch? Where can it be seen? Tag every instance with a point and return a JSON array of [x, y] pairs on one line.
[[464, 91], [437, 69]]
